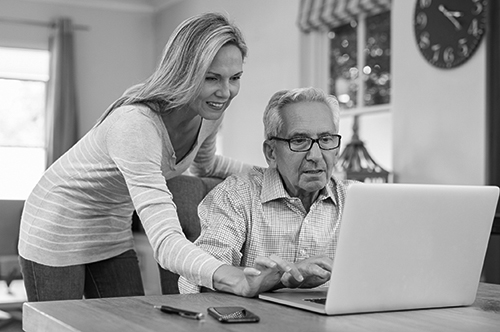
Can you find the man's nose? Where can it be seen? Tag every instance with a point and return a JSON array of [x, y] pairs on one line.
[[314, 152]]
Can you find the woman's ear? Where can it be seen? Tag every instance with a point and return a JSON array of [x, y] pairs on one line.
[[268, 149]]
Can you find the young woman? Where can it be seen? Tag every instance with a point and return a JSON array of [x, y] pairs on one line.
[[76, 239]]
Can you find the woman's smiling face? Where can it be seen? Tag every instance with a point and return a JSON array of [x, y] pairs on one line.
[[221, 84]]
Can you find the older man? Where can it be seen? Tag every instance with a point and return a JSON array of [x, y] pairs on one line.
[[292, 208]]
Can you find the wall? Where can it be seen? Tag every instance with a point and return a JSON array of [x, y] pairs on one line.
[[272, 64], [115, 52], [439, 115], [438, 121]]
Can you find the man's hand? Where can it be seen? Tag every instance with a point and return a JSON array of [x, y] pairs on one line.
[[250, 281], [316, 271]]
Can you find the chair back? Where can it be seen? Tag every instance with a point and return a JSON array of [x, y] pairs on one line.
[[187, 191]]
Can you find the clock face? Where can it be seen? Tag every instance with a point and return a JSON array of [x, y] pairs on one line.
[[448, 32]]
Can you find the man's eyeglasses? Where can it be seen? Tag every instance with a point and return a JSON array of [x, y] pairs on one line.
[[303, 144]]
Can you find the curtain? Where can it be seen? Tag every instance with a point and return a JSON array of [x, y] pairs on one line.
[[328, 14], [61, 109]]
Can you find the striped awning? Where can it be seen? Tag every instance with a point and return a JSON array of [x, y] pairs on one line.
[[328, 14]]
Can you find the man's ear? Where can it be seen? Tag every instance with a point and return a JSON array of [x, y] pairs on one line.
[[268, 149]]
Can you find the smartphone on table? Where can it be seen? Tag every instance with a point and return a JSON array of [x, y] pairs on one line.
[[233, 315]]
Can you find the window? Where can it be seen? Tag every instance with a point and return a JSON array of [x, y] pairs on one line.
[[23, 77], [346, 50], [361, 79]]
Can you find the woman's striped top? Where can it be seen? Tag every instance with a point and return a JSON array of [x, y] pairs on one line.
[[80, 211]]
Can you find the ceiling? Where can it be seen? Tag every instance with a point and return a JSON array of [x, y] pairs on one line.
[[123, 5]]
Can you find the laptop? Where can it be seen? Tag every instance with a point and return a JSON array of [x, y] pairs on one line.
[[402, 247]]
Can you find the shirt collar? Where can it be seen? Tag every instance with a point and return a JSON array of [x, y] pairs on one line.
[[273, 188]]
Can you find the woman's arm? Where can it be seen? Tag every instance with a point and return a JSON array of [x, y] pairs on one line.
[[135, 144]]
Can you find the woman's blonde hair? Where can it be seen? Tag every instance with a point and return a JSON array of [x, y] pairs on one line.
[[186, 58]]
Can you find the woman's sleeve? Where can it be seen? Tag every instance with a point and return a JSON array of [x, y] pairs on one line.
[[135, 145]]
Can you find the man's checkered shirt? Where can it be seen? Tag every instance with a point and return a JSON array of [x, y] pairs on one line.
[[252, 215]]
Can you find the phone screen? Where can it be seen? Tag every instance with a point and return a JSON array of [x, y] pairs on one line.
[[233, 315]]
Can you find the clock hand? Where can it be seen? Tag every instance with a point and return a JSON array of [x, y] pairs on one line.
[[451, 16], [456, 14]]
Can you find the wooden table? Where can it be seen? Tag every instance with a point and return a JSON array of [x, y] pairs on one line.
[[137, 314]]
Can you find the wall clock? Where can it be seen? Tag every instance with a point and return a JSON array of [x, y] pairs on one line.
[[448, 32]]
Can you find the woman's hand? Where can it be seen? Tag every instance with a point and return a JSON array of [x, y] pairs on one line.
[[250, 281]]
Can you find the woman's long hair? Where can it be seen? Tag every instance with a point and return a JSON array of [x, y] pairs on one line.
[[186, 58]]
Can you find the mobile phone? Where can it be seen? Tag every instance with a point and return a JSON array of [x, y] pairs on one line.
[[233, 315]]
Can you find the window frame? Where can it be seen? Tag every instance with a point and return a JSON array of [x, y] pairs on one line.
[[315, 64]]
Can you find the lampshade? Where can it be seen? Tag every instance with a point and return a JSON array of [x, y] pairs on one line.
[[356, 163]]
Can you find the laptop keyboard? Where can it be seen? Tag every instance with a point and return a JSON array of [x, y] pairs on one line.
[[320, 300]]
